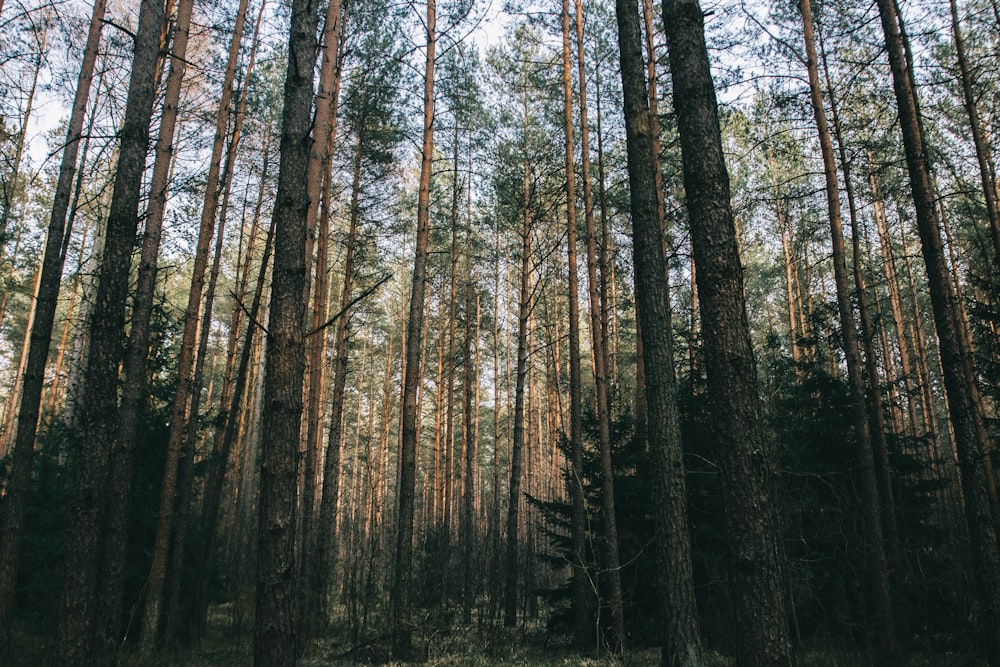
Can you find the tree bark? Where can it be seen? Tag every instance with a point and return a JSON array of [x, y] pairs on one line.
[[971, 438], [13, 503], [275, 640], [517, 448], [852, 351], [581, 586], [679, 636], [756, 578], [403, 565], [98, 418]]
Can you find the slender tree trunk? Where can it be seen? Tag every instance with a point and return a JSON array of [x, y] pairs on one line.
[[983, 156], [185, 379], [852, 352], [134, 383], [517, 448], [603, 418], [971, 438], [745, 469], [10, 188], [331, 472], [581, 614], [275, 641], [875, 404], [403, 565], [681, 643], [230, 412], [470, 384], [98, 419], [12, 505], [318, 173]]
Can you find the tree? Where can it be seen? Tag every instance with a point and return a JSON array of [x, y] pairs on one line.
[[972, 440], [98, 421], [681, 643], [578, 528], [275, 641], [745, 466], [13, 504], [402, 566], [852, 349]]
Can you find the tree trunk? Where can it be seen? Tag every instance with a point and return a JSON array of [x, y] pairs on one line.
[[33, 378], [275, 641], [517, 448], [185, 381], [403, 565], [581, 616], [971, 438], [852, 353], [983, 156], [318, 174], [744, 457], [98, 419], [679, 636], [327, 554]]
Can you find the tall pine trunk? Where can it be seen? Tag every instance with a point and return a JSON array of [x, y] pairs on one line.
[[971, 438], [756, 578], [403, 565], [679, 636], [871, 501], [13, 503], [275, 641], [98, 419]]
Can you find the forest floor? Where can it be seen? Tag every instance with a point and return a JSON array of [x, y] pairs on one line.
[[226, 645]]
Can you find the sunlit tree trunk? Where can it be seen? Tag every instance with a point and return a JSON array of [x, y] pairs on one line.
[[275, 640], [403, 564]]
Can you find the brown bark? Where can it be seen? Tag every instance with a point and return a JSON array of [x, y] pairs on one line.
[[317, 176], [185, 381], [612, 564], [511, 549], [983, 156], [328, 519], [230, 413], [275, 640], [971, 438], [12, 505], [876, 408], [745, 469], [409, 433], [679, 636], [872, 496], [98, 418], [581, 585]]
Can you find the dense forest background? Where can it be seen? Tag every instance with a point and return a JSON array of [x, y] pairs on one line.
[[466, 333]]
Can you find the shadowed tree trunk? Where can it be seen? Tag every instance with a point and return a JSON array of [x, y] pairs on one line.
[[965, 408], [13, 503], [744, 457], [679, 636], [852, 350], [98, 417]]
